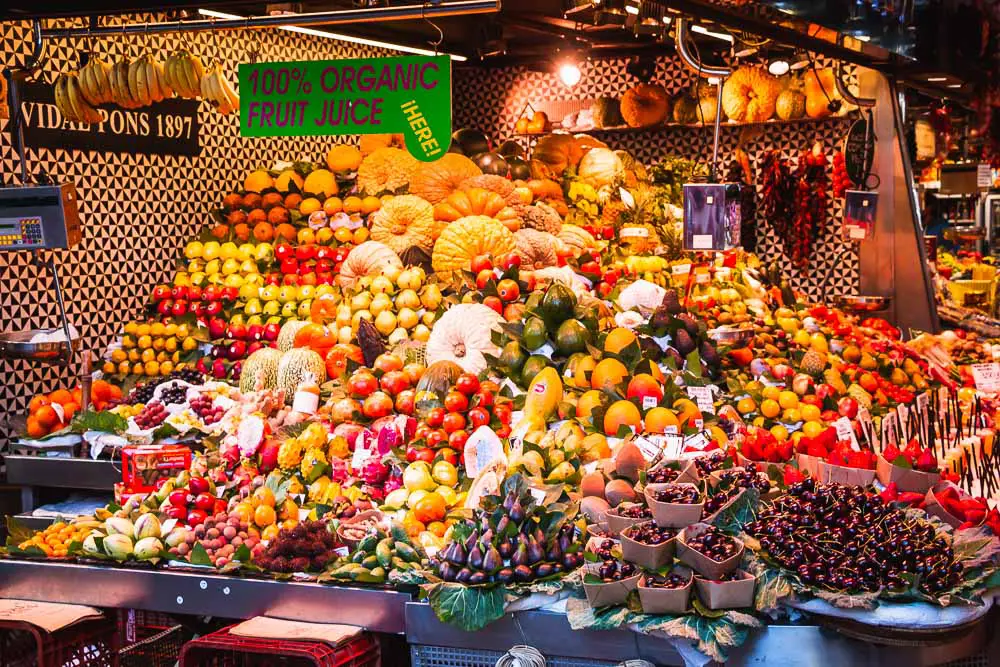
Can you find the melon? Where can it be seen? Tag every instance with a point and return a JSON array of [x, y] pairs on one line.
[[295, 365], [286, 336], [263, 362]]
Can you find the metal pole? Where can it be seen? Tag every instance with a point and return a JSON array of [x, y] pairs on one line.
[[680, 42], [715, 139], [340, 17]]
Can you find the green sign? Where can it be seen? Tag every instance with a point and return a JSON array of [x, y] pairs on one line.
[[408, 95]]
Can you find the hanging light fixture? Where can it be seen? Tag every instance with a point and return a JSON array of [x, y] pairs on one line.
[[778, 66], [568, 69], [799, 61]]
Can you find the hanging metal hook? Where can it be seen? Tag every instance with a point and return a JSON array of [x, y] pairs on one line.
[[440, 39], [35, 61], [255, 51]]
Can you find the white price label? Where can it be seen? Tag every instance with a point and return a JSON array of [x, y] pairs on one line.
[[674, 446], [889, 428], [984, 175], [681, 269], [537, 494], [649, 402], [701, 242], [723, 273], [845, 432], [545, 350], [361, 453], [923, 403], [703, 396], [697, 442], [634, 232], [671, 430], [987, 377], [651, 446], [702, 278]]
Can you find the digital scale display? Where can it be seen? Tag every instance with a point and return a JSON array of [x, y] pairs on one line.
[[23, 232]]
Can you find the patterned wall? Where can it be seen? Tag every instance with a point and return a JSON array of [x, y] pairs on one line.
[[137, 210], [501, 96]]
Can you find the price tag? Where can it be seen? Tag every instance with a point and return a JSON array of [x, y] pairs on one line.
[[634, 232], [537, 494], [943, 395], [703, 397], [343, 552], [701, 242], [697, 442], [702, 278], [649, 402], [924, 403], [903, 413], [889, 428], [674, 447], [516, 447], [545, 350], [481, 449], [845, 431], [362, 452], [723, 273], [651, 446], [680, 269], [865, 419], [590, 467], [987, 377], [671, 430], [984, 176], [699, 423]]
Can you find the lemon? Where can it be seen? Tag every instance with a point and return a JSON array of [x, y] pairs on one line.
[[170, 329], [271, 308], [194, 250], [770, 408], [324, 289], [228, 250], [189, 344], [788, 399], [210, 250], [230, 266], [248, 266], [249, 291], [306, 292], [118, 355], [771, 392], [287, 293], [213, 267], [811, 429], [779, 432], [182, 331], [144, 342], [791, 416], [809, 412], [304, 309], [246, 251], [130, 327], [143, 329], [158, 343], [108, 368], [157, 329], [269, 293]]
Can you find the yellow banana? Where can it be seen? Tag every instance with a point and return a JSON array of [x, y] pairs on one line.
[[227, 90], [155, 95], [100, 76], [87, 87], [191, 77], [206, 90], [168, 73], [71, 97], [61, 102], [85, 113], [161, 80], [119, 85], [137, 81]]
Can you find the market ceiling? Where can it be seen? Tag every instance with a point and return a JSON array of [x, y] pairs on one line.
[[537, 31]]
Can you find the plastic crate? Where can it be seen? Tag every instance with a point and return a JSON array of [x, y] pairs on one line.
[[423, 655], [222, 649], [91, 643], [135, 625]]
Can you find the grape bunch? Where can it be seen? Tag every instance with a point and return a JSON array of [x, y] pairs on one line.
[[204, 407], [308, 546], [191, 375], [151, 416], [173, 394], [143, 393]]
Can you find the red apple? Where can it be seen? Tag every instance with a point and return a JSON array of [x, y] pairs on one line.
[[847, 407], [481, 263]]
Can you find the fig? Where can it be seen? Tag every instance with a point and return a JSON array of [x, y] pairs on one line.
[[505, 576], [463, 575], [492, 560], [448, 571], [535, 551], [457, 555], [543, 570], [477, 578], [523, 573], [506, 549], [516, 512], [476, 557], [520, 556], [554, 553]]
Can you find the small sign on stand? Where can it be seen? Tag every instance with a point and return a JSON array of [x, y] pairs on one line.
[[859, 214], [711, 216]]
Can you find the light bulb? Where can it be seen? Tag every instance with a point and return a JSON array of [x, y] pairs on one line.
[[778, 67], [569, 74]]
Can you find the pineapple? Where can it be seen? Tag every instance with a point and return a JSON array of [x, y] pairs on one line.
[[290, 454], [834, 379], [813, 363], [863, 398]]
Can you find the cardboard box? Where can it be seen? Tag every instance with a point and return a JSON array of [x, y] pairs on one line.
[[143, 466], [711, 517], [611, 593], [665, 600], [616, 523], [673, 515], [702, 564], [727, 594], [905, 478], [933, 507], [830, 473], [809, 464], [649, 556], [687, 471]]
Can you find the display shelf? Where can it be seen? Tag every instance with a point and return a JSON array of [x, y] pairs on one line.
[[689, 126], [34, 522], [202, 594], [550, 633], [62, 473]]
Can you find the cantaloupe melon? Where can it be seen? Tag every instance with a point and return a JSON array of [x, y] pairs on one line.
[[286, 337], [263, 363], [294, 366]]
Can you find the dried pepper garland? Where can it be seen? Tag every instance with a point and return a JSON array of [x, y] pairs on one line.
[[777, 193], [795, 202]]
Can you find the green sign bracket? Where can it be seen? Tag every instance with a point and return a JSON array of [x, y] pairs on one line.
[[408, 95]]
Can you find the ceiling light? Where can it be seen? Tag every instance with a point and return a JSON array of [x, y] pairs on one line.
[[632, 9], [746, 52], [338, 36], [569, 72], [778, 67], [714, 81], [863, 38], [725, 37], [799, 61], [936, 79], [954, 85], [666, 20]]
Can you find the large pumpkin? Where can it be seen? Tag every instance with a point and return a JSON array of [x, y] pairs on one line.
[[477, 201], [466, 238], [791, 104], [558, 152], [749, 95], [367, 259], [436, 180], [645, 105], [405, 221], [463, 335]]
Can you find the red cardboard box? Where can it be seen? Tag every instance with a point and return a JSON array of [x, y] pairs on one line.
[[145, 465]]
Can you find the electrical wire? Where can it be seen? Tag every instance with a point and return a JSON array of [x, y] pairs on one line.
[[521, 656]]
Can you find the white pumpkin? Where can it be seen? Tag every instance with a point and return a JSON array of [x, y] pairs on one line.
[[463, 335], [600, 167]]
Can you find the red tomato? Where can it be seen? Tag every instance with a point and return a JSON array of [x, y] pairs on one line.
[[479, 417], [435, 417], [426, 454], [453, 421], [467, 383], [436, 437], [456, 401], [503, 412], [457, 439], [483, 399]]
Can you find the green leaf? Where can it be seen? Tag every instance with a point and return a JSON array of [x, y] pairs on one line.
[[693, 365], [582, 616], [17, 532], [466, 607], [199, 556], [739, 512], [702, 610], [105, 422]]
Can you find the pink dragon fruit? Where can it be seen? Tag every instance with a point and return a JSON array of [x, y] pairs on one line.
[[374, 472], [339, 471], [376, 493], [394, 482], [388, 438]]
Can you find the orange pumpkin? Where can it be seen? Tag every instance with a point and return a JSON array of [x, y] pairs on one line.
[[820, 89], [316, 337], [645, 105], [324, 309], [434, 181], [545, 188], [477, 201], [336, 358]]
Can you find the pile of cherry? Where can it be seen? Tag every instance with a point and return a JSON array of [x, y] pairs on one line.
[[846, 539]]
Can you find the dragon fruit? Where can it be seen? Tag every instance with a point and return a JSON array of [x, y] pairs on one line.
[[388, 438], [394, 482], [374, 472], [339, 471]]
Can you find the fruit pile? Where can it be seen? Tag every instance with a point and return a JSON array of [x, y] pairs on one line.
[[376, 555], [220, 535], [846, 539], [56, 539], [54, 411], [151, 349], [308, 547]]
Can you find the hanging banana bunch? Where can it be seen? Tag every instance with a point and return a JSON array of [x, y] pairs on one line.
[[183, 72], [121, 92], [215, 88], [71, 101], [94, 81]]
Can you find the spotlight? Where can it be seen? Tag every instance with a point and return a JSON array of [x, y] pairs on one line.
[[799, 61], [725, 37], [746, 52], [632, 7], [778, 66], [569, 73]]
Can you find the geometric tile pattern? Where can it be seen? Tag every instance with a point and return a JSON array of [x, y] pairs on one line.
[[137, 210], [499, 95]]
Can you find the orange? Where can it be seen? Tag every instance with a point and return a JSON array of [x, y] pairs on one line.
[[770, 408], [320, 182], [38, 402], [293, 200], [264, 515], [343, 235], [285, 179], [263, 231], [650, 367], [309, 205], [583, 367], [332, 206], [286, 231], [61, 396], [100, 390], [343, 157], [810, 413], [258, 181], [621, 413], [306, 236], [788, 399], [268, 533], [220, 231], [437, 528], [644, 385], [658, 419], [779, 432], [588, 401], [35, 429], [746, 405], [431, 507], [688, 411], [352, 204], [811, 429], [46, 417], [242, 232], [72, 408], [370, 205], [618, 339], [412, 525], [608, 373], [263, 496], [771, 392], [360, 235]]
